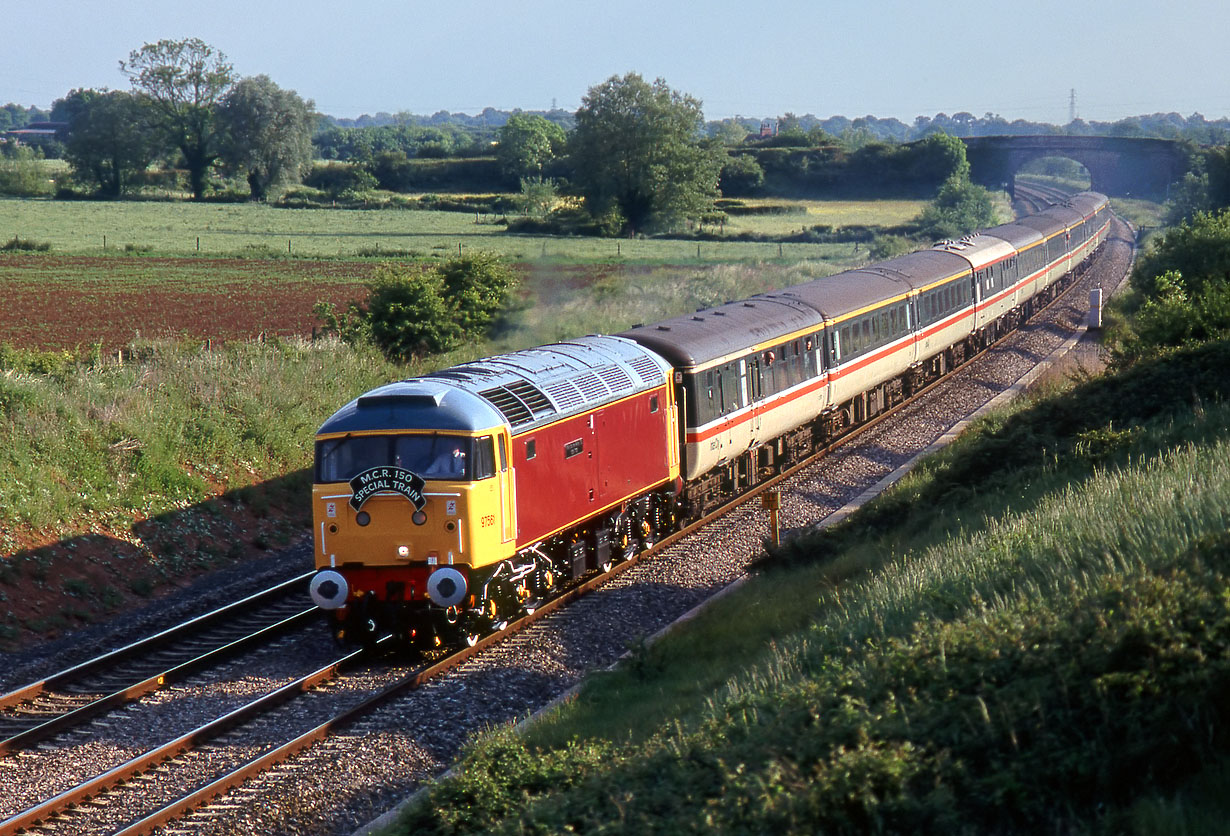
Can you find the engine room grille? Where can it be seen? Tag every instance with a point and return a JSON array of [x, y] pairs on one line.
[[649, 371], [509, 405], [538, 403], [615, 378], [565, 394]]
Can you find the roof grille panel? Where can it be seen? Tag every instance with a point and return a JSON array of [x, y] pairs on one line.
[[509, 405], [591, 386], [615, 378], [565, 394], [650, 372]]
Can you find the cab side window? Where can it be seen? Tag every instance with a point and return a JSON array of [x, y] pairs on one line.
[[484, 461]]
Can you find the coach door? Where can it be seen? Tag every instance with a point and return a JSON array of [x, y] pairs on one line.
[[750, 390]]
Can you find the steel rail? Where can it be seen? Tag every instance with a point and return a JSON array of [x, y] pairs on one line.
[[150, 684], [201, 622], [180, 745]]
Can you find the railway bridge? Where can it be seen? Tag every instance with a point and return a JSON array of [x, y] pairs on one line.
[[1116, 165]]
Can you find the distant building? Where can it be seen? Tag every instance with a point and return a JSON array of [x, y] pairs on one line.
[[35, 133], [768, 127]]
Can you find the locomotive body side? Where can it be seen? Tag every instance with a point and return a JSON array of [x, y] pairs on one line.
[[593, 463]]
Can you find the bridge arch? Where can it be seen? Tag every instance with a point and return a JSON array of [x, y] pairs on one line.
[[1116, 165]]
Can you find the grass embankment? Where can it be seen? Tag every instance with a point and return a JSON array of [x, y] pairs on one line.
[[1031, 633], [120, 478]]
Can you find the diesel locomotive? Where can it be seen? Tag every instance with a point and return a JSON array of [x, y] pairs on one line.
[[445, 505]]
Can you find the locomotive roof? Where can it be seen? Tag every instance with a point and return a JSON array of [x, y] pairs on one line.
[[733, 328], [524, 389]]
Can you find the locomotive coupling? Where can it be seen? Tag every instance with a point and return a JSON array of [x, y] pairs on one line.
[[329, 590]]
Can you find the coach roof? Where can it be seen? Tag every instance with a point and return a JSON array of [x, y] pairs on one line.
[[733, 328]]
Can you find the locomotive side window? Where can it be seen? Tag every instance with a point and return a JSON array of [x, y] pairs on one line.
[[503, 456], [531, 449], [484, 463], [653, 404]]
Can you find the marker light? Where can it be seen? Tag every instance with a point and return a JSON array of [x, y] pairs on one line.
[[403, 551]]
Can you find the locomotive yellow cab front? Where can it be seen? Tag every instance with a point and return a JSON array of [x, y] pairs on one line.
[[412, 500]]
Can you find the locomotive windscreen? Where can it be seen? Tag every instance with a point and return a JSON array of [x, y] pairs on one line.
[[452, 457]]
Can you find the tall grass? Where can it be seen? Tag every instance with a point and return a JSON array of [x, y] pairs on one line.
[[169, 426]]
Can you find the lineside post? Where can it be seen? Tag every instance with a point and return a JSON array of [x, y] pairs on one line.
[[771, 501]]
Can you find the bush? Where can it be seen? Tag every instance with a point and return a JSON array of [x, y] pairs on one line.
[[408, 315], [1198, 249], [741, 175], [22, 174], [340, 179], [26, 245], [414, 312]]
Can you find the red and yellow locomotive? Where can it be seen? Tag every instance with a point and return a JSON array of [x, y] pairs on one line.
[[446, 504]]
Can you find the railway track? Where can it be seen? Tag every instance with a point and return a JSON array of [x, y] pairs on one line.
[[1035, 197], [347, 691], [79, 694]]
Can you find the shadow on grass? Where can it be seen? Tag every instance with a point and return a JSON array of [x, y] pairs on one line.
[[55, 589]]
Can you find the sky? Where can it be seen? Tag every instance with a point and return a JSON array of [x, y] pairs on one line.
[[885, 58]]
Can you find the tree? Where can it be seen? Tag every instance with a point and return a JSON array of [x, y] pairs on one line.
[[741, 175], [538, 197], [527, 142], [636, 150], [937, 159], [268, 133], [110, 138], [184, 82], [959, 208]]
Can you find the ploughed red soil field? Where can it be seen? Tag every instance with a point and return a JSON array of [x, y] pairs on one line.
[[52, 302]]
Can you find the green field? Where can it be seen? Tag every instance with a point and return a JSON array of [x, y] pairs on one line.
[[228, 229]]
